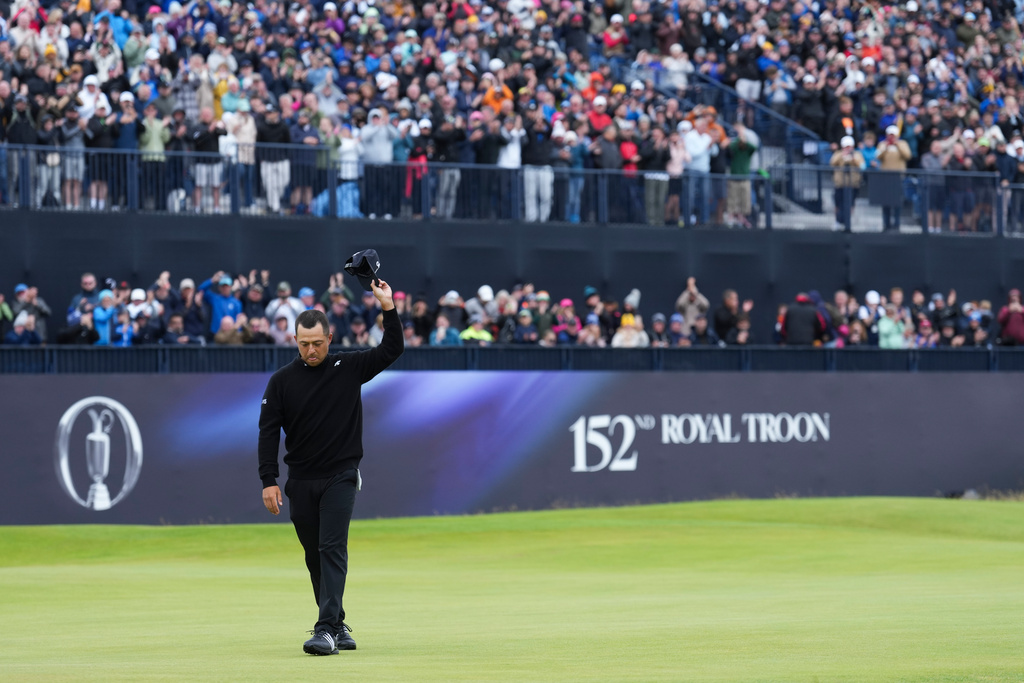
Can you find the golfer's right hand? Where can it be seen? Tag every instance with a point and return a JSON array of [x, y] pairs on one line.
[[272, 499]]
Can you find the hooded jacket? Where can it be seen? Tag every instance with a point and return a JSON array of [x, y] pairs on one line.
[[378, 147], [1012, 324], [803, 324]]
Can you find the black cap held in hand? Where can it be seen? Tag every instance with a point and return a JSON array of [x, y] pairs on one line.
[[364, 265]]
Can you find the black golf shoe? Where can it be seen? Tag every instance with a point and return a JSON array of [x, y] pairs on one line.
[[343, 640], [322, 643]]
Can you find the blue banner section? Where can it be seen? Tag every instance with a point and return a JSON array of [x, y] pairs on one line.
[[181, 449]]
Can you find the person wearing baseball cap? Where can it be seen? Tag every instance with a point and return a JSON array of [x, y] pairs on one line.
[[846, 178], [223, 303], [892, 154]]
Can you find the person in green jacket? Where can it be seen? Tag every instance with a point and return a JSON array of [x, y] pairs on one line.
[[891, 329], [155, 135], [134, 50], [738, 201], [475, 334], [6, 316], [327, 153]]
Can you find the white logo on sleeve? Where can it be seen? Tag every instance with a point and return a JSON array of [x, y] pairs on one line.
[[264, 401], [337, 363]]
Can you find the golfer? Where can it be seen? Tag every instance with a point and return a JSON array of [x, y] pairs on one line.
[[317, 400]]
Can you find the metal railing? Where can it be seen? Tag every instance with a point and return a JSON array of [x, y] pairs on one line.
[[304, 180], [782, 138], [159, 359], [870, 200]]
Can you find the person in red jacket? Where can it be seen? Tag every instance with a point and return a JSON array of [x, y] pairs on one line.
[[1011, 320]]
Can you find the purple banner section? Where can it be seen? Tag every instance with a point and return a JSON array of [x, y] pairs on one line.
[[181, 449]]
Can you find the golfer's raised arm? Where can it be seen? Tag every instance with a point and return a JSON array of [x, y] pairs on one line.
[[392, 344]]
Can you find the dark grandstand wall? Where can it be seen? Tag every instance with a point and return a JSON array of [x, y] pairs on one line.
[[50, 250]]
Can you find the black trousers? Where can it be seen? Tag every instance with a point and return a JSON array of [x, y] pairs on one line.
[[321, 510]]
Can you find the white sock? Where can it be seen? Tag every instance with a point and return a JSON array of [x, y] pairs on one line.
[[102, 204], [92, 202]]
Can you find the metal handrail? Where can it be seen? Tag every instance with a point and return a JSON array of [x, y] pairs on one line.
[[707, 80], [160, 359]]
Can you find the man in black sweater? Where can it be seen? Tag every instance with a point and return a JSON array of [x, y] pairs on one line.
[[317, 400]]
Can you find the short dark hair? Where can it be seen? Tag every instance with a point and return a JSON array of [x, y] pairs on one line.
[[310, 319]]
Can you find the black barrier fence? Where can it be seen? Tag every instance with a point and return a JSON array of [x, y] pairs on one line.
[[303, 180], [162, 359], [179, 449]]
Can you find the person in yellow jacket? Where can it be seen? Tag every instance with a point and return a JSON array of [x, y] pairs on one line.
[[893, 154], [475, 334], [848, 164]]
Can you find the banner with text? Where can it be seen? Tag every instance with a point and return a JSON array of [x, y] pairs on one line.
[[181, 449]]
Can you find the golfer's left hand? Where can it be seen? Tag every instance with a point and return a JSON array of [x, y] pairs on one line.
[[383, 293]]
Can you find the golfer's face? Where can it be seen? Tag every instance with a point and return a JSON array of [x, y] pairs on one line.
[[313, 344]]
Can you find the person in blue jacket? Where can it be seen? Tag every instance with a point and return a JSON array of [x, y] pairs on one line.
[[222, 301], [104, 317]]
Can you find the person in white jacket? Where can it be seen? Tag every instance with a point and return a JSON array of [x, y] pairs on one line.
[[90, 96], [700, 147], [383, 179], [243, 127], [678, 67], [285, 304], [106, 55], [510, 160], [350, 155], [511, 155]]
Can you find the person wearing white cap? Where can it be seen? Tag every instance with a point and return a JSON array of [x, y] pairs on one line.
[[137, 304], [381, 179], [892, 154], [89, 96], [848, 164], [483, 305], [870, 312], [125, 137], [24, 332], [614, 38]]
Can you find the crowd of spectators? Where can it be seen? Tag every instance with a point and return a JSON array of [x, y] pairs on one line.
[[553, 87], [508, 84], [239, 309]]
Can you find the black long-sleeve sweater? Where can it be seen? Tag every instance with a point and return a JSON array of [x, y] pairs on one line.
[[321, 410]]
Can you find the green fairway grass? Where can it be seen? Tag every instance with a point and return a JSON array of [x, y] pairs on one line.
[[778, 590]]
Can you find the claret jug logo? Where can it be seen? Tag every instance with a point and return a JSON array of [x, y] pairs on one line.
[[103, 413]]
